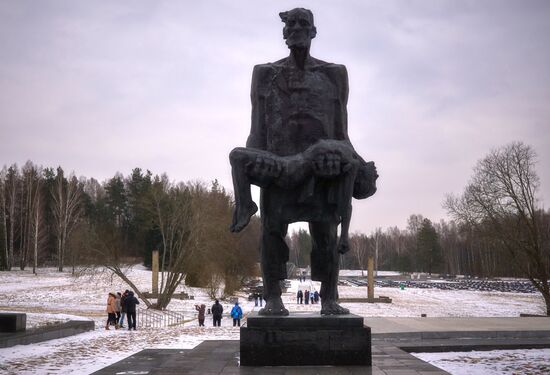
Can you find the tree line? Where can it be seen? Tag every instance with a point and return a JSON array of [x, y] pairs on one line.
[[499, 228], [50, 218], [445, 247]]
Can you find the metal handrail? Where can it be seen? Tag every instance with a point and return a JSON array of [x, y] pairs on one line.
[[147, 318]]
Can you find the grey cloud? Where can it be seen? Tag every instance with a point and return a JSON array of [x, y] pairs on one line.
[[106, 86]]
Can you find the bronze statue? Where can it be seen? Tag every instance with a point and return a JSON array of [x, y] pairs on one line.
[[299, 153]]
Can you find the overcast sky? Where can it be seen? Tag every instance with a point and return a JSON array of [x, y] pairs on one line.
[[101, 87]]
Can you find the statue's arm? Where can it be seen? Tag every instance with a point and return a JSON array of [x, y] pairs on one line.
[[258, 138], [365, 182], [340, 76]]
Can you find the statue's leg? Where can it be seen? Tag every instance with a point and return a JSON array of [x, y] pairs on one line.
[[245, 207], [324, 265], [274, 256]]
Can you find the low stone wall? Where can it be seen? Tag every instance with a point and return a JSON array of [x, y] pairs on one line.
[[46, 333], [13, 322]]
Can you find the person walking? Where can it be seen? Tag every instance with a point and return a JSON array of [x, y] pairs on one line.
[[237, 314], [111, 311], [306, 297], [118, 308], [130, 302], [122, 308], [217, 311], [300, 296], [201, 309], [316, 296]]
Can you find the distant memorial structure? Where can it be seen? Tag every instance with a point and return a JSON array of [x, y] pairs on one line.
[[299, 154]]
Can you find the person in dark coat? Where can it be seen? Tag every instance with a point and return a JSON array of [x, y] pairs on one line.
[[217, 311], [201, 309], [300, 297], [306, 297], [130, 303], [316, 296]]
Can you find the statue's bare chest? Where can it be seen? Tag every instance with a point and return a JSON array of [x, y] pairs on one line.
[[300, 109]]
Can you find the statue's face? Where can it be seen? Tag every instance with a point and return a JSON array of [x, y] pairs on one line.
[[298, 30]]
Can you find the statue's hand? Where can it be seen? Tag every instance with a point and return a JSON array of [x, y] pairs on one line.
[[264, 169], [327, 165]]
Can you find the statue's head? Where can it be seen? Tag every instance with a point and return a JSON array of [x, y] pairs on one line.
[[299, 28]]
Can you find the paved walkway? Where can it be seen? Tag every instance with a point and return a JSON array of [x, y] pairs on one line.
[[392, 340], [538, 326]]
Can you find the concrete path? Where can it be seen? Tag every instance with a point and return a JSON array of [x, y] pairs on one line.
[[540, 325], [392, 341]]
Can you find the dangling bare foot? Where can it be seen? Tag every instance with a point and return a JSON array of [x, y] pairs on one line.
[[275, 307], [241, 216], [332, 308]]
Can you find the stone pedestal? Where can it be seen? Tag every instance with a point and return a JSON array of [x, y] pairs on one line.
[[13, 322], [305, 339]]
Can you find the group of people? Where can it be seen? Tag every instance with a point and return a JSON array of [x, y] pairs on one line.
[[258, 299], [120, 305], [307, 297], [217, 312]]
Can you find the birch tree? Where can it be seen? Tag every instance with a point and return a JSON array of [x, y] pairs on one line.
[[359, 244], [11, 183], [30, 187], [5, 264], [66, 195]]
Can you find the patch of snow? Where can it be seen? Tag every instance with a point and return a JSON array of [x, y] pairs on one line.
[[52, 296], [495, 362]]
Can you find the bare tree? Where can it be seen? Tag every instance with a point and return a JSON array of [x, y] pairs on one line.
[[359, 244], [11, 191], [174, 217], [36, 225], [501, 197], [377, 237], [30, 187], [6, 265], [103, 246], [66, 197]]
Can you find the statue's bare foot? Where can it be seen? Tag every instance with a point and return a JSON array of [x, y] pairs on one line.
[[343, 245], [332, 308], [242, 215], [275, 307]]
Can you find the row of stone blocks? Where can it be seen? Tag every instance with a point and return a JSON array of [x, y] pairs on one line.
[[304, 339]]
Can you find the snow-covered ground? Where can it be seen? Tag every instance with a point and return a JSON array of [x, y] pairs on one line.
[[52, 296], [495, 362]]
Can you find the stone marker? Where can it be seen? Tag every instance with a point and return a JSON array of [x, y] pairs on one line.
[[370, 277], [13, 322]]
